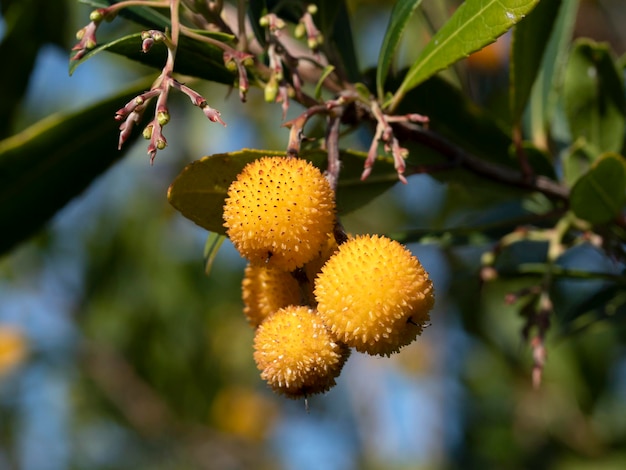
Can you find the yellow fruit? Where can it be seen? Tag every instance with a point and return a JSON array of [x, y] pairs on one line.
[[279, 211], [265, 290], [296, 354], [374, 295], [313, 267]]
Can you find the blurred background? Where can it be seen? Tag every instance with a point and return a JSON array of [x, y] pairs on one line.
[[118, 352]]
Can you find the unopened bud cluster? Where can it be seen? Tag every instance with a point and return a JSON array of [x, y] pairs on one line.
[[310, 300]]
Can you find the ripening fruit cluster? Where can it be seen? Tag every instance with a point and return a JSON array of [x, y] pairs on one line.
[[309, 299]]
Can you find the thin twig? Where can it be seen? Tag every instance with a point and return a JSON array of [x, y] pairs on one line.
[[332, 147], [489, 170]]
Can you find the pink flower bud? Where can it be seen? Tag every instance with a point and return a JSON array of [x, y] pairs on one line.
[[212, 114], [147, 44]]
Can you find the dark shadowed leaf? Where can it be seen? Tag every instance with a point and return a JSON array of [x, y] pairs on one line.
[[22, 38], [256, 10], [334, 22], [603, 304], [594, 97], [199, 191], [149, 17], [539, 161], [400, 15], [600, 194], [528, 46], [194, 58], [548, 83], [45, 166], [453, 115]]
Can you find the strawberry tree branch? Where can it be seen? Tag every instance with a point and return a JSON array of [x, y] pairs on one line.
[[462, 158]]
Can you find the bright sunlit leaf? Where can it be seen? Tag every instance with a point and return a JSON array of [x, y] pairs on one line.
[[474, 24]]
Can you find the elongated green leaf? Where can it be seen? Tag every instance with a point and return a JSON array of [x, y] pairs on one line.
[[318, 87], [256, 10], [475, 24], [400, 15], [45, 166], [212, 246], [199, 191], [600, 194], [527, 49], [334, 22], [594, 97], [608, 302], [194, 58], [145, 16], [547, 87], [23, 36]]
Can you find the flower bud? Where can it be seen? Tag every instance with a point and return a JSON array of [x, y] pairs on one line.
[[231, 65], [96, 16], [163, 117], [147, 44], [300, 31], [271, 90], [147, 132]]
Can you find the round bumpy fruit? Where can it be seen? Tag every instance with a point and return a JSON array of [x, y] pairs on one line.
[[296, 354], [279, 211], [374, 295], [266, 290]]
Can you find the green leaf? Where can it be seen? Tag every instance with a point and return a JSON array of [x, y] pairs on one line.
[[538, 160], [199, 191], [577, 161], [600, 194], [527, 49], [143, 15], [601, 304], [256, 10], [474, 24], [594, 97], [45, 166], [400, 15], [547, 87], [194, 58], [211, 248], [334, 23], [318, 87], [489, 226], [23, 36]]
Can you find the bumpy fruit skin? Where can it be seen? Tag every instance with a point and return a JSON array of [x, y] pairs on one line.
[[313, 267], [296, 354], [374, 295], [279, 211], [266, 290]]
